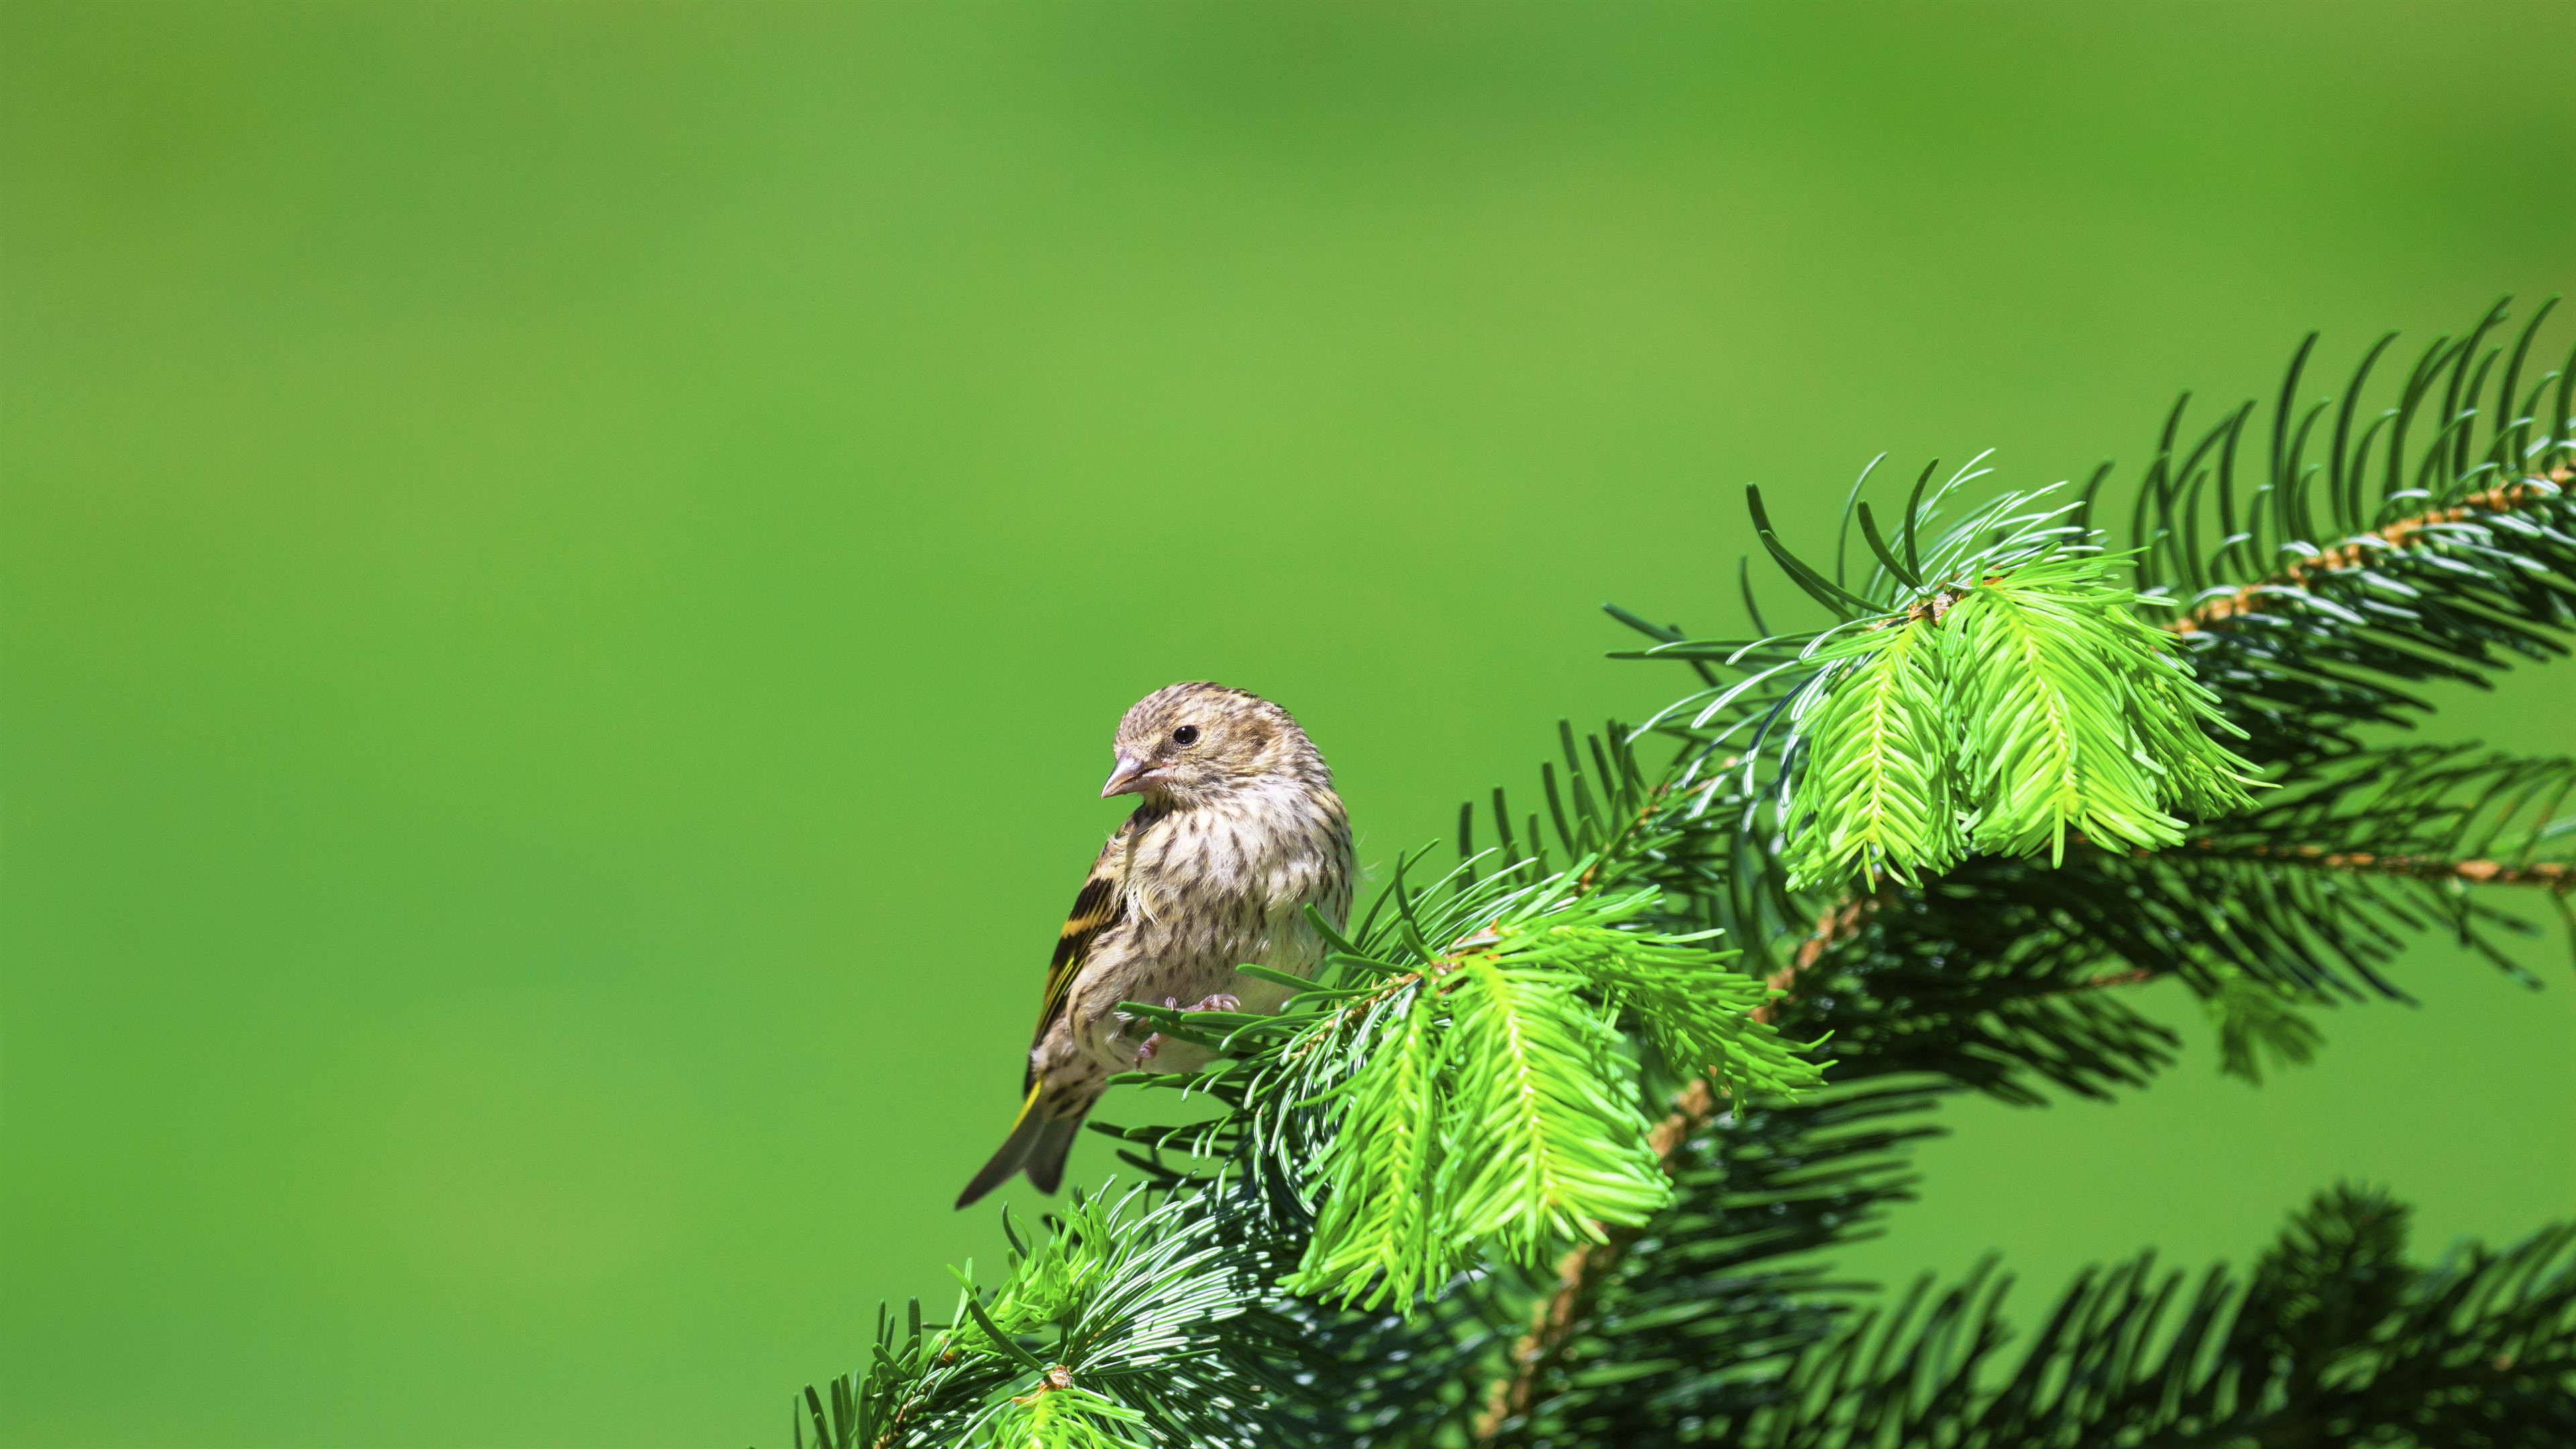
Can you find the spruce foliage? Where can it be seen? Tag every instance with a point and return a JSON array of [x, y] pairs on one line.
[[1555, 1149]]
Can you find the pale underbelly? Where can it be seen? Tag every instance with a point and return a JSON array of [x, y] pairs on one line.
[[1116, 1040]]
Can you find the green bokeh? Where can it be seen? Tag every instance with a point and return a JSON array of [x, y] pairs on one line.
[[567, 571]]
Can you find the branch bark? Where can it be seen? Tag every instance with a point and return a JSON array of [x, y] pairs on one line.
[[2547, 874], [2404, 533]]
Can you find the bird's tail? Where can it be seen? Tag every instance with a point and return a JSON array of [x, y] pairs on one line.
[[1037, 1144]]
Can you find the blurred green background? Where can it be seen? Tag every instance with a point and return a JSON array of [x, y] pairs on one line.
[[567, 571]]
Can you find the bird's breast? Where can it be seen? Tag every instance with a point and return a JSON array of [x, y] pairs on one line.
[[1212, 888], [1240, 868]]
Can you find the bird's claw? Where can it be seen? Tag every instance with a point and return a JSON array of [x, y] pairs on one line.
[[1218, 1002]]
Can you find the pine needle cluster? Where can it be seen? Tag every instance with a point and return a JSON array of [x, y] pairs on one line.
[[1555, 1149]]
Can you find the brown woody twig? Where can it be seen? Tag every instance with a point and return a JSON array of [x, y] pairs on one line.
[[2404, 533]]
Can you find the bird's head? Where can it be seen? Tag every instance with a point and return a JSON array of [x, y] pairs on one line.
[[1194, 744]]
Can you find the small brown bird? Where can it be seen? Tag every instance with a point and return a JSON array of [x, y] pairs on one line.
[[1238, 832]]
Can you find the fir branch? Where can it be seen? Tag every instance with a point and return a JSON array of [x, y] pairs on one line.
[[1693, 1302], [1485, 1107], [1378, 1237], [1143, 1320], [1582, 1270], [2074, 717], [1857, 928], [2430, 783], [1878, 780], [2334, 1338], [2413, 531], [2549, 875], [2254, 1020], [2465, 588]]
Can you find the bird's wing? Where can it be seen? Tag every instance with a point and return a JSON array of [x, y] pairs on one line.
[[1099, 905]]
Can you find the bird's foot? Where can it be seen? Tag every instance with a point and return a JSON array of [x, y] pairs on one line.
[[1154, 1043]]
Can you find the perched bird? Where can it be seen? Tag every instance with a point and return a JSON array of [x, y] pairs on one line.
[[1238, 831]]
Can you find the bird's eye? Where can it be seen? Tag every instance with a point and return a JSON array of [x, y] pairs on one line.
[[1186, 735]]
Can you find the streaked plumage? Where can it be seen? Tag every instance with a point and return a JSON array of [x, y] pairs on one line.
[[1237, 832]]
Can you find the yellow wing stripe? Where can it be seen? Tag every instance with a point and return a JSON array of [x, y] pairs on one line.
[[1094, 911], [1099, 905]]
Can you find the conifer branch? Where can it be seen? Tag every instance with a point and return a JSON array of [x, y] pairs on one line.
[[1871, 761], [2405, 533], [2549, 875], [1581, 1271]]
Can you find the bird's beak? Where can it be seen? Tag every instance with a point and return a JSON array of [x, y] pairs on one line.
[[1127, 779]]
